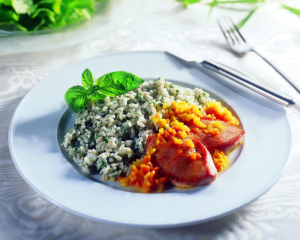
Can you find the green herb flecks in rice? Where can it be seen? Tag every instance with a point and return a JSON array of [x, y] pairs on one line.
[[110, 133]]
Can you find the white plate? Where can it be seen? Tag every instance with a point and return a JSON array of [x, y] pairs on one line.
[[36, 152], [108, 16]]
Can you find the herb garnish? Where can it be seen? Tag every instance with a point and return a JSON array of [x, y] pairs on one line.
[[111, 84]]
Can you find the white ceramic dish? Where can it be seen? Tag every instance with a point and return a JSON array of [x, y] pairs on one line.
[[37, 155]]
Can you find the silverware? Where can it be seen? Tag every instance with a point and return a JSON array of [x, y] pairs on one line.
[[237, 43], [244, 80]]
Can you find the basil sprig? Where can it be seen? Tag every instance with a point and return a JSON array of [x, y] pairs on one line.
[[111, 84]]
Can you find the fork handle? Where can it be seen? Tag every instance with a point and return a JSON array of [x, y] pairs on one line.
[[246, 81], [293, 84]]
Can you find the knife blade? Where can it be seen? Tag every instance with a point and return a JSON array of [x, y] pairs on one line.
[[235, 75]]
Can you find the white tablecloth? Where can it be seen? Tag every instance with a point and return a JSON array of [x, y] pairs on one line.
[[24, 214]]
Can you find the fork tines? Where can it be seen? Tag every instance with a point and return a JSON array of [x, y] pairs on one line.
[[230, 30]]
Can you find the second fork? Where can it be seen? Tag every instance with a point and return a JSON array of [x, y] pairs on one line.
[[237, 43]]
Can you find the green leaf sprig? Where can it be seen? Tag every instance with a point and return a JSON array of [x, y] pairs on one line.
[[111, 84], [292, 10], [217, 3]]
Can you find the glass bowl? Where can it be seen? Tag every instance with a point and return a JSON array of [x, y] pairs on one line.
[[108, 16]]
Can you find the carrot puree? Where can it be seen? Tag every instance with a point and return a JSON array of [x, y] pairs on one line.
[[172, 123]]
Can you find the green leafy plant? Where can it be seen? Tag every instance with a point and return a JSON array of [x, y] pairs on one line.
[[33, 15], [293, 10], [243, 21], [218, 3], [187, 2], [111, 84]]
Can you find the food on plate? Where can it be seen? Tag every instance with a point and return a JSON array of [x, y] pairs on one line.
[[228, 137], [186, 164], [148, 133]]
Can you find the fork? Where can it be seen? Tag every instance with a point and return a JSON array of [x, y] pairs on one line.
[[237, 43]]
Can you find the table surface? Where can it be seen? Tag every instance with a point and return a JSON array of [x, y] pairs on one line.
[[24, 214]]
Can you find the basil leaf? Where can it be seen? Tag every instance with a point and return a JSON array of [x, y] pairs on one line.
[[87, 78], [97, 96], [111, 84], [113, 90], [76, 98], [117, 83]]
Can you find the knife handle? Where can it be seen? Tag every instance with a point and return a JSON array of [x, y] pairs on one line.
[[242, 79]]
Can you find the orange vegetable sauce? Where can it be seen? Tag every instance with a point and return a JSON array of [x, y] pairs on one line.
[[221, 113], [144, 175], [147, 177]]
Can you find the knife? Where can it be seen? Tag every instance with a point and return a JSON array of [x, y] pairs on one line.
[[240, 78]]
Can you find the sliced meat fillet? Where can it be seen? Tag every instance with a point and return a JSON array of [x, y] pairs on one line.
[[225, 141], [177, 165]]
